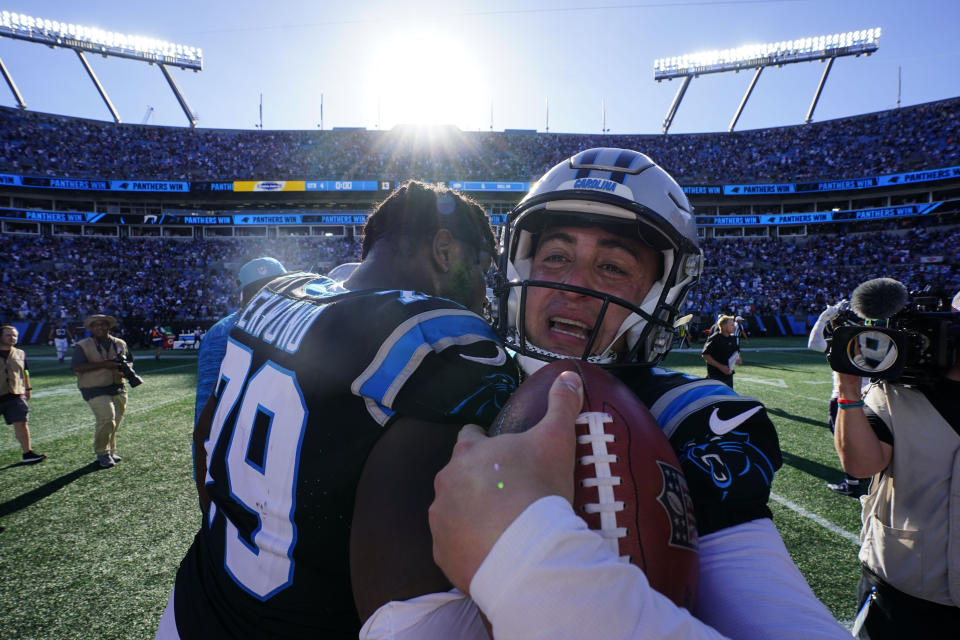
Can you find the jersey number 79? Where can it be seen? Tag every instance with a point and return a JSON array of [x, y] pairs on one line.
[[263, 485]]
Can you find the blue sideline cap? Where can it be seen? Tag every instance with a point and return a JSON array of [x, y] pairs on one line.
[[258, 270]]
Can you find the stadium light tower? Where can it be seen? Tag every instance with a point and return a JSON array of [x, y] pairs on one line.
[[758, 56], [106, 43]]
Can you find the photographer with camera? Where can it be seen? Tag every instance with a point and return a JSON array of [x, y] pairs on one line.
[[100, 363], [905, 433]]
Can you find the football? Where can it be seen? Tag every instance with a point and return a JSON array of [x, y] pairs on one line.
[[629, 487]]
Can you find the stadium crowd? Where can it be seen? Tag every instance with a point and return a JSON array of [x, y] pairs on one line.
[[800, 277], [918, 137], [183, 282], [154, 281]]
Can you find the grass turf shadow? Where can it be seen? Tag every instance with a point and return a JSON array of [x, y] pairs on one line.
[[780, 413], [816, 469], [41, 492]]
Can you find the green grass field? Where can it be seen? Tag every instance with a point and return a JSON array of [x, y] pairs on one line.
[[91, 553]]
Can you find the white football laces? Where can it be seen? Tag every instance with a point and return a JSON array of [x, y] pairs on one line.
[[602, 478]]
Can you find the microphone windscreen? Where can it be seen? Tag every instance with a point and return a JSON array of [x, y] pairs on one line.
[[879, 298]]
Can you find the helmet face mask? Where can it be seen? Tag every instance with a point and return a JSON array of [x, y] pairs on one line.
[[519, 339], [623, 193]]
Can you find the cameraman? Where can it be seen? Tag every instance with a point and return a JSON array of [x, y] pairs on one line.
[[908, 439], [832, 316], [96, 364]]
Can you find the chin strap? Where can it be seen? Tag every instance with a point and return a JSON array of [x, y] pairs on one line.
[[535, 358]]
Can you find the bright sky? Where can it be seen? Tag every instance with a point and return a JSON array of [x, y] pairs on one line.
[[521, 64]]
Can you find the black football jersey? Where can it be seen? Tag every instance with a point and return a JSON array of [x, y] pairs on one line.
[[727, 445], [312, 377]]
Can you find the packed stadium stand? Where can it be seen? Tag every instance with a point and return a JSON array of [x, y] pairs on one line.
[[919, 137], [149, 223]]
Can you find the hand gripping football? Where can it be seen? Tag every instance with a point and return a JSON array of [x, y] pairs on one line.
[[628, 483]]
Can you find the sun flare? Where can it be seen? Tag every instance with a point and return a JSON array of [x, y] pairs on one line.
[[427, 78]]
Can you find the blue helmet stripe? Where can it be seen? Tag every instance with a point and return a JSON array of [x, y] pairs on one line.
[[588, 157], [625, 160]]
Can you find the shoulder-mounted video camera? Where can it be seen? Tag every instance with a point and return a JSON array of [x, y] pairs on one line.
[[889, 334]]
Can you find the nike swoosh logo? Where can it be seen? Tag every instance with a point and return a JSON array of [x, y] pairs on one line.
[[497, 361], [721, 427]]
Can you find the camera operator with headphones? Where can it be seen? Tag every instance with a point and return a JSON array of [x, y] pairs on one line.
[[905, 433]]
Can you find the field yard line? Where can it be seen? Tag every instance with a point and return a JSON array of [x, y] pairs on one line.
[[775, 389], [56, 391], [809, 515], [771, 382], [89, 425]]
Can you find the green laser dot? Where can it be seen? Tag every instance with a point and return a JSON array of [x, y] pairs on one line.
[[499, 485]]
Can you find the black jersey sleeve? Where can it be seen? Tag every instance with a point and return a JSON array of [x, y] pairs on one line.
[[442, 364], [727, 446]]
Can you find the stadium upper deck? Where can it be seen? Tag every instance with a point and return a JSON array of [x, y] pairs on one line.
[[925, 136], [94, 179]]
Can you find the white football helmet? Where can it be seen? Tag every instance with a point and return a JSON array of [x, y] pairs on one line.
[[624, 192]]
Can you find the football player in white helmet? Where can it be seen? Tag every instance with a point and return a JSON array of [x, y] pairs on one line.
[[642, 226], [595, 264]]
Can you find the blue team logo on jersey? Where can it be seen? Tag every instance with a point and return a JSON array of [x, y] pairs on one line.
[[727, 459], [485, 403]]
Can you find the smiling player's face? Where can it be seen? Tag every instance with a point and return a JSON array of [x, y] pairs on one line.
[[592, 258]]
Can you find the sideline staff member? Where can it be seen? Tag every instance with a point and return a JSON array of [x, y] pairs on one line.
[[15, 391], [722, 351], [100, 383]]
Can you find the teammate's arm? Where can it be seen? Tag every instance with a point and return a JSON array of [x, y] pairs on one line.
[[391, 552], [201, 431], [750, 589]]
